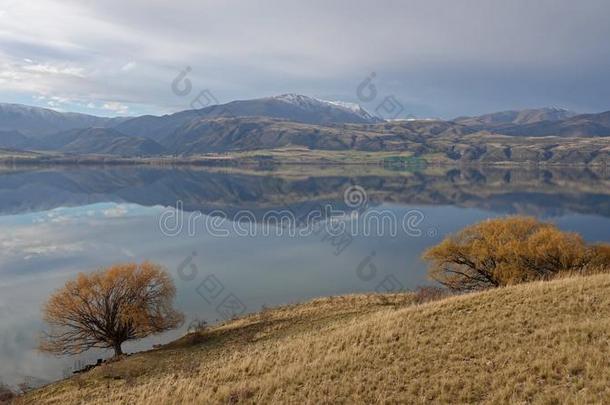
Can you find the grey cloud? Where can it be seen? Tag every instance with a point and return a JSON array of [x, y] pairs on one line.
[[438, 57]]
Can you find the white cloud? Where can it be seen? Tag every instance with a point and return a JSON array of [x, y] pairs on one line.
[[116, 107], [28, 246], [128, 253], [129, 66], [54, 101], [66, 249], [116, 212], [55, 69], [9, 75]]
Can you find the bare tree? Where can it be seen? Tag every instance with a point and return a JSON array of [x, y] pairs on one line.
[[108, 307]]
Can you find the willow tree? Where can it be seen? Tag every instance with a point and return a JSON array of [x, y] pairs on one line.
[[511, 250], [111, 306]]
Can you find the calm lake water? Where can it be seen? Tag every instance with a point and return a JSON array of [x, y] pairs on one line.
[[227, 240]]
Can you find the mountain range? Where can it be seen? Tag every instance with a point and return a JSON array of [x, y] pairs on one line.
[[516, 117], [276, 122], [37, 122]]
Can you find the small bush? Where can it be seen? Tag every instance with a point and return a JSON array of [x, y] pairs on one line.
[[428, 294], [511, 250], [240, 395], [6, 394], [264, 315], [24, 387], [197, 332], [198, 326]]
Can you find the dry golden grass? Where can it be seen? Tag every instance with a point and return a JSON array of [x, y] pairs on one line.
[[543, 342]]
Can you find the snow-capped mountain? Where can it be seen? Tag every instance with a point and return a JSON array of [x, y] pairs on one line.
[[290, 107], [36, 122], [344, 105], [315, 104]]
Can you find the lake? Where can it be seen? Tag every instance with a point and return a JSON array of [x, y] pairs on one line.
[[236, 240]]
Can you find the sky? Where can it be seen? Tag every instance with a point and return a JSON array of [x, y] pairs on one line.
[[433, 58]]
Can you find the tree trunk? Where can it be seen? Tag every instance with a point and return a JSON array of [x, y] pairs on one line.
[[117, 350]]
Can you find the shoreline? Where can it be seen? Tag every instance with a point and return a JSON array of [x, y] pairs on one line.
[[277, 158]]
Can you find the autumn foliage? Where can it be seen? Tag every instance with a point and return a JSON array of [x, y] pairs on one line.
[[108, 307], [511, 250]]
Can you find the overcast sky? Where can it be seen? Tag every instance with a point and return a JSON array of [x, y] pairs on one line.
[[437, 58]]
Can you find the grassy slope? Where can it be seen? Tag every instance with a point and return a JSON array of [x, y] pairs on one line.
[[535, 343]]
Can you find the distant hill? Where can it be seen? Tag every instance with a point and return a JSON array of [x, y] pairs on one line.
[[38, 122], [585, 125], [99, 141], [518, 117], [13, 140], [227, 134], [252, 133], [541, 122], [157, 127]]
